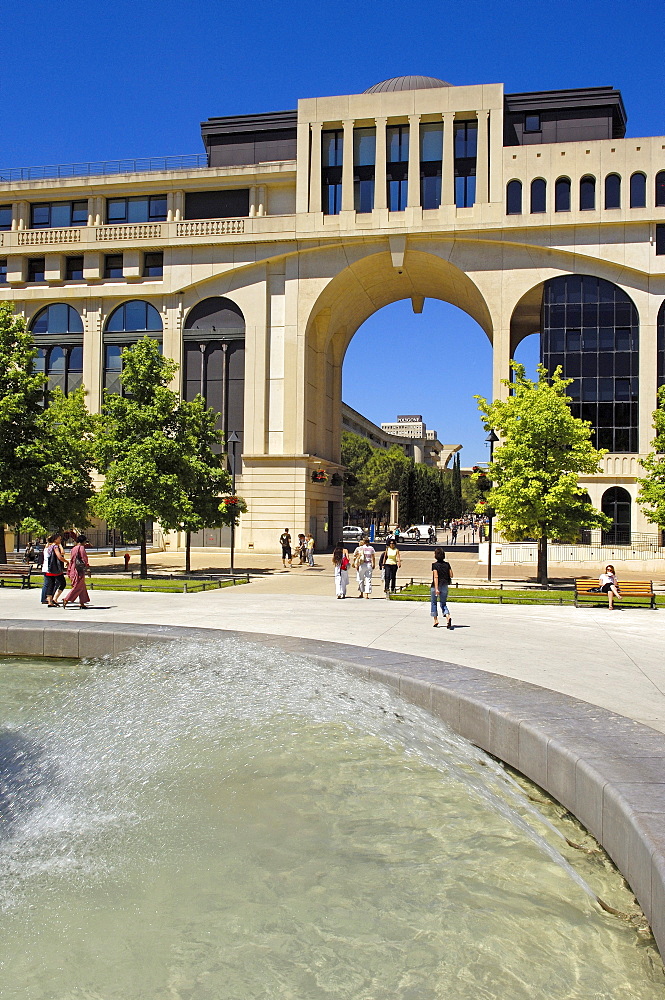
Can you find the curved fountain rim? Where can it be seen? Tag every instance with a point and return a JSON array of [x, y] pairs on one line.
[[604, 768]]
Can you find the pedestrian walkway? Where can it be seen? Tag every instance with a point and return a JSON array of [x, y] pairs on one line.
[[616, 661]]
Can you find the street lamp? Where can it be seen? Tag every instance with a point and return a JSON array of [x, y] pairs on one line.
[[233, 439], [492, 438]]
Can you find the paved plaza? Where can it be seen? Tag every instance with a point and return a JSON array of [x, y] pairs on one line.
[[614, 660]]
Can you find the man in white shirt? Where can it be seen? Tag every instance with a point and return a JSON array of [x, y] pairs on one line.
[[364, 559]]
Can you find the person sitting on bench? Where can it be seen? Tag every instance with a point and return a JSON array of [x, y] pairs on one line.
[[610, 585]]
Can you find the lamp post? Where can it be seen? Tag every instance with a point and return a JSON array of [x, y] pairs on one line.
[[233, 439], [492, 438]]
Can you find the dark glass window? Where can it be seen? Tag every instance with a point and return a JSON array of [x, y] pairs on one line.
[[587, 193], [59, 332], [113, 265], [538, 196], [562, 195], [514, 198], [36, 268], [616, 504], [58, 214], [74, 269], [397, 166], [3, 272], [532, 123], [127, 324], [364, 159], [232, 203], [612, 191], [5, 217], [590, 326], [56, 319], [142, 209], [660, 189], [431, 156], [332, 148], [660, 365], [660, 239], [153, 265], [465, 139], [638, 190]]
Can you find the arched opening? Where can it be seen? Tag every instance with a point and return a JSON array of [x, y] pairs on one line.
[[58, 333], [638, 190], [587, 193], [127, 323], [660, 189], [562, 195], [514, 198], [538, 196], [616, 503], [660, 327], [612, 191], [214, 361]]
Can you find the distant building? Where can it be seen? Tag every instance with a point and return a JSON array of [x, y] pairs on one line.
[[413, 437]]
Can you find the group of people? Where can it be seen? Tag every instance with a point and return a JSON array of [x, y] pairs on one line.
[[304, 550], [56, 566]]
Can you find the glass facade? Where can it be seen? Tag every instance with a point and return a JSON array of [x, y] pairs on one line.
[[660, 340], [332, 146], [431, 159], [397, 166], [590, 327], [58, 214], [143, 209], [127, 324], [58, 332], [616, 504], [465, 139], [364, 160], [5, 217]]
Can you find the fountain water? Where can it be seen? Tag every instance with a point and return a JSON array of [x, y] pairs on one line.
[[204, 821]]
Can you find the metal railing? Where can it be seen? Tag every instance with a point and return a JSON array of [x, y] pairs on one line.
[[188, 161]]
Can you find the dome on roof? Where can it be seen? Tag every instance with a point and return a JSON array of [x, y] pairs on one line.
[[407, 83]]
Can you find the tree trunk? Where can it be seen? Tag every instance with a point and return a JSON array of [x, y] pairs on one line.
[[542, 560], [3, 549], [188, 552], [144, 554]]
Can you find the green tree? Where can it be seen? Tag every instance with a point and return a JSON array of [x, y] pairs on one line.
[[382, 474], [407, 495], [146, 449], [356, 453], [535, 470], [651, 496], [456, 487]]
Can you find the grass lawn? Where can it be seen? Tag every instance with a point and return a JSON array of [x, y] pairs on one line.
[[491, 595], [159, 586]]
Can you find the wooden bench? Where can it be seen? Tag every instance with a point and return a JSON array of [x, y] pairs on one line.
[[632, 588], [16, 570]]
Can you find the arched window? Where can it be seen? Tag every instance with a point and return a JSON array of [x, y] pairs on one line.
[[660, 189], [660, 327], [514, 198], [616, 504], [128, 323], [214, 360], [590, 327], [638, 190], [587, 193], [562, 195], [538, 196], [612, 191], [58, 333]]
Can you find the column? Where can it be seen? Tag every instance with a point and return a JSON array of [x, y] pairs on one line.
[[347, 168], [315, 169], [98, 211], [170, 206], [448, 166], [413, 187], [482, 158], [252, 201], [496, 151], [394, 510], [91, 212], [92, 352], [302, 167], [380, 182], [15, 215], [500, 361], [648, 361], [23, 214], [262, 200]]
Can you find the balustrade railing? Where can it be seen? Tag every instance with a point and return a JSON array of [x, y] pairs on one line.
[[135, 231], [187, 161], [40, 237], [211, 227]]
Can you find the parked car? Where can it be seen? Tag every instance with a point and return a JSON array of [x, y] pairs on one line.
[[352, 533], [418, 533]]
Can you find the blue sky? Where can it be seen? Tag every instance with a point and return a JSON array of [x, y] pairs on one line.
[[85, 81]]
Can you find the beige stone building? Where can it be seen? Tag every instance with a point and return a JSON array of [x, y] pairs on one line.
[[256, 263], [408, 433]]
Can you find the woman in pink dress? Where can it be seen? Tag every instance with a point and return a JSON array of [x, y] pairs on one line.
[[78, 568]]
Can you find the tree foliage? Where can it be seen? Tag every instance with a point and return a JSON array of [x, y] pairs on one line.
[[535, 469], [651, 496]]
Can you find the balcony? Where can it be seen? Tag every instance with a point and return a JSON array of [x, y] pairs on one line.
[[97, 168]]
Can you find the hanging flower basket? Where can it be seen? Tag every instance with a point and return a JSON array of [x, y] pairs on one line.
[[234, 505], [319, 476], [336, 479]]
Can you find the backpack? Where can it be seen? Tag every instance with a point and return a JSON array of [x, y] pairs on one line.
[[79, 564]]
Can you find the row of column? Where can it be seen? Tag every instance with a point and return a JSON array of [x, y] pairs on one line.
[[380, 171]]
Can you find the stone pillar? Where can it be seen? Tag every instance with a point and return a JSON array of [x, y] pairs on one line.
[[91, 212], [500, 360], [15, 215], [394, 509], [93, 364], [448, 165], [252, 201], [482, 158], [648, 313], [23, 214], [302, 167], [496, 152], [178, 206], [98, 211], [262, 200], [347, 168], [315, 169], [380, 182], [413, 186]]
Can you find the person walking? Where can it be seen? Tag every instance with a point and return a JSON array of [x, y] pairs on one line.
[[55, 562], [301, 549], [285, 542], [340, 560], [126, 557], [364, 560], [442, 575], [610, 585], [78, 569], [309, 541], [453, 533], [392, 561]]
